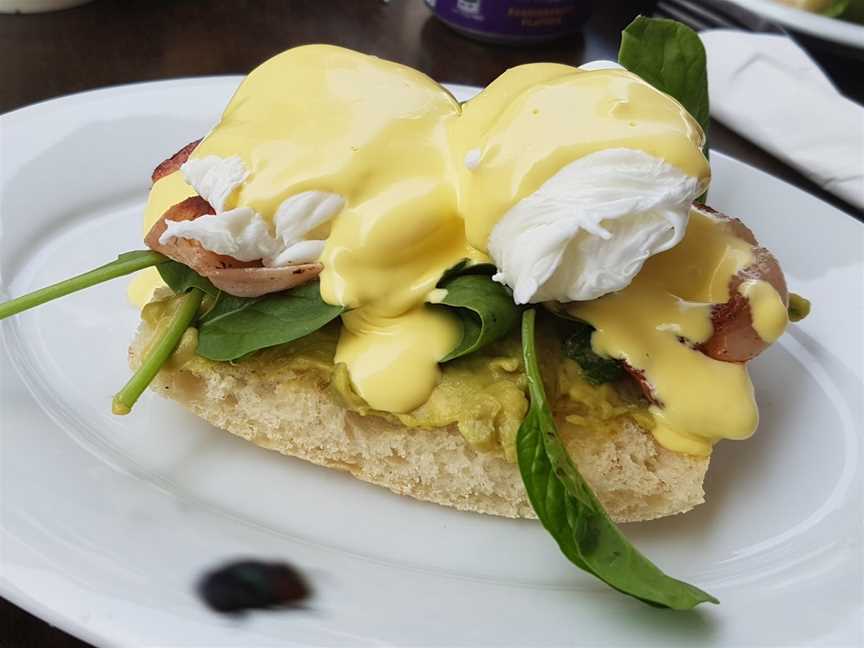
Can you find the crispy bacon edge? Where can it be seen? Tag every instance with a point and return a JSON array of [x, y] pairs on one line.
[[238, 278]]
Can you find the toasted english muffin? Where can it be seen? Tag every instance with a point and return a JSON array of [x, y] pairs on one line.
[[297, 413]]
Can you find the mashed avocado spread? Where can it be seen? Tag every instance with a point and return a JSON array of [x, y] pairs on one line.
[[483, 394]]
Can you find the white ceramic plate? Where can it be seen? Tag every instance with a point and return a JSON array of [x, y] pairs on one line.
[[107, 521], [832, 30]]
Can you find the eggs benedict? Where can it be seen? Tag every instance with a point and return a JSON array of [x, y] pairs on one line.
[[575, 183], [341, 265]]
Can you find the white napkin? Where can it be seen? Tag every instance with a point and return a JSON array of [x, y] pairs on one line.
[[770, 91]]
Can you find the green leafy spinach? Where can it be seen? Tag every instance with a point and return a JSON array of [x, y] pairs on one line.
[[569, 510], [181, 278], [236, 326], [124, 264], [835, 9], [596, 369], [670, 56], [466, 267], [852, 10], [162, 346], [484, 307]]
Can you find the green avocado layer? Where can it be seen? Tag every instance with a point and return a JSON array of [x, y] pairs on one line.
[[483, 394]]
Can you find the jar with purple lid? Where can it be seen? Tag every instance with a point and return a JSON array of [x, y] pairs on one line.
[[513, 21]]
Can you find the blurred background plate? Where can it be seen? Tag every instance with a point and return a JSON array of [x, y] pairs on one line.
[[846, 37], [37, 6]]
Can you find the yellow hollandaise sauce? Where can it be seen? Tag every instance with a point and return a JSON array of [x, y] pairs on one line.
[[655, 323], [535, 119], [393, 144], [164, 194], [768, 313]]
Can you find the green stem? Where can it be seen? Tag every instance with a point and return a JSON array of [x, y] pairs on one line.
[[124, 264], [159, 353]]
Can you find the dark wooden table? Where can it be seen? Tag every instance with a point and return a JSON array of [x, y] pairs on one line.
[[122, 41]]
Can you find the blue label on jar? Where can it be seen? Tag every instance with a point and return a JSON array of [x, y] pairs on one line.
[[514, 18]]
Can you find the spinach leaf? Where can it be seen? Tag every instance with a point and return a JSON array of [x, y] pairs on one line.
[[124, 264], [669, 56], [166, 339], [484, 307], [595, 369], [181, 278], [466, 267], [569, 510], [236, 326], [835, 9], [852, 11]]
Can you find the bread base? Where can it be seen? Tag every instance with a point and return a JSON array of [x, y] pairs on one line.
[[296, 414]]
